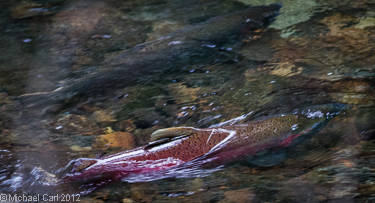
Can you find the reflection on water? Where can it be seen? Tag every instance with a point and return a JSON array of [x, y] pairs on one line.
[[112, 92]]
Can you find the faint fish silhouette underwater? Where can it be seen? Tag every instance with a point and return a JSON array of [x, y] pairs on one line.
[[149, 59]]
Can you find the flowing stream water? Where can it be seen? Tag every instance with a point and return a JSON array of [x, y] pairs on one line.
[[127, 82]]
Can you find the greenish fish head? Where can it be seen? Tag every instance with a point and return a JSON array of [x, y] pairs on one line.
[[271, 12], [311, 120], [262, 15]]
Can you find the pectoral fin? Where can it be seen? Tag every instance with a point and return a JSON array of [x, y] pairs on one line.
[[169, 134], [77, 165], [268, 159]]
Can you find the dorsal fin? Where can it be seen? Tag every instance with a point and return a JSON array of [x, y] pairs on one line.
[[172, 133], [169, 134]]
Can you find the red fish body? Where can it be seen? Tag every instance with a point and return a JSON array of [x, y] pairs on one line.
[[184, 147]]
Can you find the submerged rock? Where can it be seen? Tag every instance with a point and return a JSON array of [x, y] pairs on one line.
[[102, 116], [127, 126], [117, 139], [79, 148], [28, 10], [239, 196], [75, 124], [291, 13], [77, 20]]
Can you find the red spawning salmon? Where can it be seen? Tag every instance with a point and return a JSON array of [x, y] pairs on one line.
[[175, 148]]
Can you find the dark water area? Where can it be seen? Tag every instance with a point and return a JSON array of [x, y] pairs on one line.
[[87, 79]]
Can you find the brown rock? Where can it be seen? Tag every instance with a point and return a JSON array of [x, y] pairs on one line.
[[84, 60], [245, 195], [163, 28], [3, 96], [102, 116], [299, 190], [197, 184], [79, 21], [78, 148], [117, 139], [127, 126], [75, 124], [184, 94], [142, 193], [127, 200]]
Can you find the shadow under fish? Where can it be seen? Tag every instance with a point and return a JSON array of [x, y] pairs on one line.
[[200, 42], [189, 152]]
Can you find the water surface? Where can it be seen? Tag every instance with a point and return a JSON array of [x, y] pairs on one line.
[[314, 52]]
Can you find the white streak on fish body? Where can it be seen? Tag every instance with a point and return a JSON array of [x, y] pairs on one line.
[[221, 144], [212, 132], [120, 156], [232, 121], [166, 145]]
